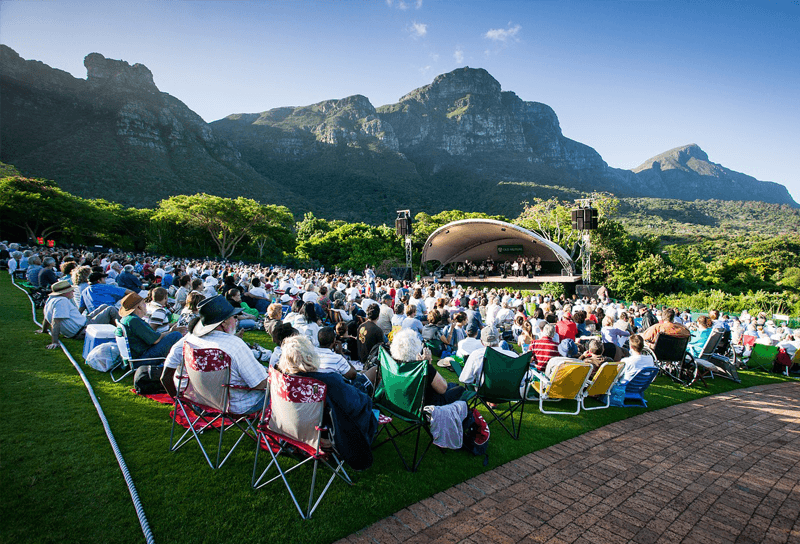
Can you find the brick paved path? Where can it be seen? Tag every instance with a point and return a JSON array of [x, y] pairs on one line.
[[724, 468]]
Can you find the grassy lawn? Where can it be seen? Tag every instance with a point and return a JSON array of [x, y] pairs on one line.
[[60, 481]]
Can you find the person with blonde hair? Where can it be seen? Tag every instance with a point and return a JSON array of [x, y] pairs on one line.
[[273, 319], [406, 346], [350, 410]]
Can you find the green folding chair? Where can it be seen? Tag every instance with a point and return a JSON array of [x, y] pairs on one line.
[[501, 384], [401, 393], [762, 357]]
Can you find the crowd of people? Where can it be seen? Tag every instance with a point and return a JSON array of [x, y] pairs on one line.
[[333, 323]]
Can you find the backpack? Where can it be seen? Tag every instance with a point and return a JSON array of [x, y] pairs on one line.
[[373, 358], [147, 380], [476, 435]]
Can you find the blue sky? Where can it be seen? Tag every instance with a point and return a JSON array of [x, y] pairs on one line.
[[631, 79]]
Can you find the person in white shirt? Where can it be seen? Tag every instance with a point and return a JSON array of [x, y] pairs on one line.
[[385, 319], [473, 366], [636, 361], [215, 331], [470, 343], [333, 361]]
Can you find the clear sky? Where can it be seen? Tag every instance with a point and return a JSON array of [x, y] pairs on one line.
[[630, 79]]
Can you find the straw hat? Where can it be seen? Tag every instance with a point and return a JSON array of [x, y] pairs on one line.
[[61, 288]]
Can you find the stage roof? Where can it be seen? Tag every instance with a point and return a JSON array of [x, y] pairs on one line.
[[478, 239]]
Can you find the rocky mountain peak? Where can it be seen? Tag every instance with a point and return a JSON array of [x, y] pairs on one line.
[[118, 73], [458, 83], [674, 158]]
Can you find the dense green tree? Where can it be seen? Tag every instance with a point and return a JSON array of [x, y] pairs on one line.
[[352, 245], [39, 208], [226, 220]]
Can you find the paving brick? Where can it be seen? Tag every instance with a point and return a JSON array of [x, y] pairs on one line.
[[720, 469]]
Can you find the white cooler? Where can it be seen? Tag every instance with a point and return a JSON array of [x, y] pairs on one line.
[[96, 335]]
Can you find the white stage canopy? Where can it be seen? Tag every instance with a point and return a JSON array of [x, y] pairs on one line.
[[478, 239]]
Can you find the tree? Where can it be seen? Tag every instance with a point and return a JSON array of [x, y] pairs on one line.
[[424, 224], [275, 228], [227, 220], [38, 206]]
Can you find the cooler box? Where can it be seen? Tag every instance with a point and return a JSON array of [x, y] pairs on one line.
[[96, 335]]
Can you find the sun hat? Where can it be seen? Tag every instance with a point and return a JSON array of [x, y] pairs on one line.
[[60, 288], [129, 303], [213, 311]]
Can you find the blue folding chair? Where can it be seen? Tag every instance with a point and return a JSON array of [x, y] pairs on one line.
[[634, 389]]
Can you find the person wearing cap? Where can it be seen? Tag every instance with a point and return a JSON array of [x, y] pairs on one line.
[[145, 343], [61, 316], [215, 330], [98, 293], [473, 366], [474, 315]]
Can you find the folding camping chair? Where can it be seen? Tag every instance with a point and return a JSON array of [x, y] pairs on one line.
[[673, 360], [504, 380], [127, 362], [291, 422], [605, 377], [401, 393], [203, 400], [718, 356], [635, 387], [567, 382], [762, 357]]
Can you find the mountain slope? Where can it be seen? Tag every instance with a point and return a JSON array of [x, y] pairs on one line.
[[686, 173], [114, 135]]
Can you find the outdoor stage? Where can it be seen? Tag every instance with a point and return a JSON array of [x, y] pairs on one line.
[[514, 282]]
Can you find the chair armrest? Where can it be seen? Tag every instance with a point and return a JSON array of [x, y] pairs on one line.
[[148, 359]]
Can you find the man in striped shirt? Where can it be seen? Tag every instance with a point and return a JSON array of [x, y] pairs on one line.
[[545, 348]]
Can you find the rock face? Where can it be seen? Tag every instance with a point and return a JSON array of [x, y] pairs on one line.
[[459, 143], [114, 135], [686, 173]]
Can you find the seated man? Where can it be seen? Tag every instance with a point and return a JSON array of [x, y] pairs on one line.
[[333, 361], [145, 343], [666, 326], [216, 329], [98, 293], [369, 333], [127, 280], [61, 316], [470, 343], [34, 267], [636, 361], [594, 355], [473, 366], [545, 348]]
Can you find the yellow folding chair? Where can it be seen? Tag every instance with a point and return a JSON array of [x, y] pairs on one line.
[[567, 382], [604, 379]]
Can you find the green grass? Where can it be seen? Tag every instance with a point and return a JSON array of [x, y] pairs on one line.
[[60, 481]]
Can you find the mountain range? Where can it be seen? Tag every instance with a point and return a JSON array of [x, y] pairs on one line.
[[459, 143]]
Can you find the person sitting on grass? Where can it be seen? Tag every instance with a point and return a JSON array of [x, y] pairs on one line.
[[333, 361], [61, 316], [245, 320], [98, 293], [273, 317]]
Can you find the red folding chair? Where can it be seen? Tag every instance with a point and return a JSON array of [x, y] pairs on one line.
[[291, 423], [203, 400]]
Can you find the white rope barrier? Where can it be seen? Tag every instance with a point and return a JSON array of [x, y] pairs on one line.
[[148, 534]]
